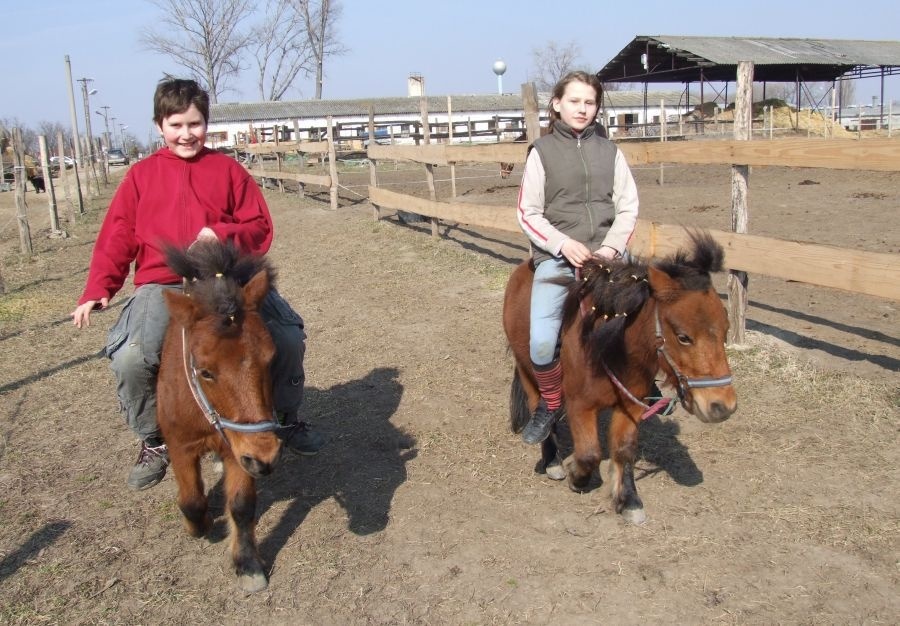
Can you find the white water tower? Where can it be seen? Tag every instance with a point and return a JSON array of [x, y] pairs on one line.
[[499, 69]]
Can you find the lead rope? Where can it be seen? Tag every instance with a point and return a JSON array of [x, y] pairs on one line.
[[649, 409]]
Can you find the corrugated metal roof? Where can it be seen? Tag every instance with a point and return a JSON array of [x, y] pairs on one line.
[[225, 113], [674, 58], [771, 51], [315, 109]]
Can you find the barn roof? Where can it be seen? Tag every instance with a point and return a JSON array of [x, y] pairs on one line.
[[237, 112], [679, 59], [315, 109]]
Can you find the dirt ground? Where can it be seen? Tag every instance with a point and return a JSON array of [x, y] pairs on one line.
[[424, 508]]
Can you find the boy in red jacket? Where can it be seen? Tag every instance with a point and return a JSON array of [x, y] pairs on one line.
[[182, 193]]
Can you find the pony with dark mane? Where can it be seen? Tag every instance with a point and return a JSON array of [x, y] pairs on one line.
[[214, 392], [623, 322]]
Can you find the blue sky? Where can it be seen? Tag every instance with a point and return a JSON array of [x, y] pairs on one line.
[[453, 44]]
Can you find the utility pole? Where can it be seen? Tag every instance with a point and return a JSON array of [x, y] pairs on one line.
[[105, 162], [87, 126], [74, 116], [105, 115]]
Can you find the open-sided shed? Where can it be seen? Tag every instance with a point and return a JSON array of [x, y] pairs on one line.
[[687, 59]]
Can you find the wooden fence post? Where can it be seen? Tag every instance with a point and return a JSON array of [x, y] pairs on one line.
[[373, 166], [429, 167], [332, 166], [737, 280], [25, 244], [64, 177], [48, 187], [532, 112], [450, 142]]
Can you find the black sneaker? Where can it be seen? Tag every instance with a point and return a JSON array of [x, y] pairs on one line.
[[150, 467], [538, 427], [300, 438]]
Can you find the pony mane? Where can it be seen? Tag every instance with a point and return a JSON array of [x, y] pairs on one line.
[[215, 274], [609, 294]]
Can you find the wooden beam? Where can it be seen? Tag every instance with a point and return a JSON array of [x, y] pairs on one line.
[[842, 154], [487, 216], [309, 179], [871, 273]]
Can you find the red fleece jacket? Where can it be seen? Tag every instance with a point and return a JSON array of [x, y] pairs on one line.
[[165, 199]]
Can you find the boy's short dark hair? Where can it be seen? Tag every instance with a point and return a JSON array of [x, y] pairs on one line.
[[176, 95]]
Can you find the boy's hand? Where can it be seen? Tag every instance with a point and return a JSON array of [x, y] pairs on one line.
[[81, 316], [207, 234]]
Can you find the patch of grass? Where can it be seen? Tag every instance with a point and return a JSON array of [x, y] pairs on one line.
[[12, 308]]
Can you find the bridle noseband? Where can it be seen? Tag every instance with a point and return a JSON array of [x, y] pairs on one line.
[[685, 384], [212, 416]]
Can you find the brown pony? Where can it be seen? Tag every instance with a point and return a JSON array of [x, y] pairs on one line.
[[215, 363], [623, 322]]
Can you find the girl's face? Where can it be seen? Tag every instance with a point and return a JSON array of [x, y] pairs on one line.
[[184, 133], [578, 106]]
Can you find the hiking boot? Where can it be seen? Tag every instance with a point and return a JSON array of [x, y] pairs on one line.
[[150, 467], [538, 427], [300, 438]]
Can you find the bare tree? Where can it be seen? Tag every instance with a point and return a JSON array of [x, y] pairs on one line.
[[319, 19], [206, 38], [553, 61], [281, 49]]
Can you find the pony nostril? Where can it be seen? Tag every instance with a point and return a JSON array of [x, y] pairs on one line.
[[719, 411]]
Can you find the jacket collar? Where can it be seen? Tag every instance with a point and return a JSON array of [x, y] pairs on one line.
[[566, 131]]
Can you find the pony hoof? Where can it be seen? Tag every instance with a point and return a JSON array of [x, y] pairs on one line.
[[253, 583], [556, 472], [635, 516]]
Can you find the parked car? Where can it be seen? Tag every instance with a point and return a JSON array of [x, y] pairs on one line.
[[54, 163], [117, 157]]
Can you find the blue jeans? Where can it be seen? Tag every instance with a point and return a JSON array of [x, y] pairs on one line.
[[546, 308], [134, 345]]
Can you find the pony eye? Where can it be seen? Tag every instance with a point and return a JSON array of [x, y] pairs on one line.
[[206, 375], [683, 339]]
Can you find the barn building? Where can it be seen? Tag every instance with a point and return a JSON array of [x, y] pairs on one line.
[[475, 118]]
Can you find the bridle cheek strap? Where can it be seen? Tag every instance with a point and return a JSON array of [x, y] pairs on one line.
[[685, 384], [212, 416]]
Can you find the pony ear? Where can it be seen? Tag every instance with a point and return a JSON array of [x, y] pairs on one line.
[[661, 283], [256, 289], [181, 308]]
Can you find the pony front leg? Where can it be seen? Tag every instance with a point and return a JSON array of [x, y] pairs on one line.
[[240, 494], [586, 456], [623, 438], [191, 494]]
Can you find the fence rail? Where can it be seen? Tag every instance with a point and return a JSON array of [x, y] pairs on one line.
[[876, 274]]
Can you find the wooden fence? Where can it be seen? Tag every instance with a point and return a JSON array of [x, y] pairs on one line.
[[279, 149], [876, 274]]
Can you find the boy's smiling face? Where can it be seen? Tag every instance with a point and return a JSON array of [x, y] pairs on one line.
[[184, 133]]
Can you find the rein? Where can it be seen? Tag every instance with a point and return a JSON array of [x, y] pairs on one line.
[[212, 416]]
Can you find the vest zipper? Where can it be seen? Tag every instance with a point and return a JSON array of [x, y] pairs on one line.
[[587, 190]]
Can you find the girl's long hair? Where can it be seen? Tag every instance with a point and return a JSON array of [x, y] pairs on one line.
[[560, 89]]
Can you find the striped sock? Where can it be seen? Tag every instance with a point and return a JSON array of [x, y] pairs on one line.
[[549, 379]]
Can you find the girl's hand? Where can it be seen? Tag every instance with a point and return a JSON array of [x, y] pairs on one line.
[[605, 252], [575, 252]]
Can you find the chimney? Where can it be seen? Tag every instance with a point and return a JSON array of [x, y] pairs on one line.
[[415, 85]]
